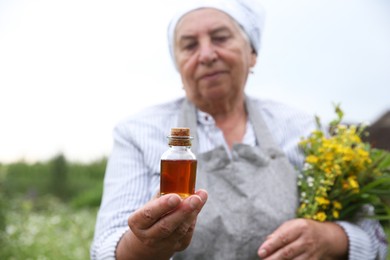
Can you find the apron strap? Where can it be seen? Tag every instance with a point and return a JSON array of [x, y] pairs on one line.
[[263, 134]]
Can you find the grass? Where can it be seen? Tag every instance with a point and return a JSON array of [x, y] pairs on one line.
[[48, 209], [49, 229]]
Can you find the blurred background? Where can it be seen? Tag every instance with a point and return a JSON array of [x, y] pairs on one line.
[[70, 70]]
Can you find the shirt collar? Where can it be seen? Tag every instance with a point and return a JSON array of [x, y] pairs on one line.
[[205, 118]]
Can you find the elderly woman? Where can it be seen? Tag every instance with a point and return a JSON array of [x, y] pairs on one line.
[[247, 154]]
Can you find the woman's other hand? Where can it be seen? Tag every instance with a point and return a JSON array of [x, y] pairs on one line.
[[303, 239], [161, 227]]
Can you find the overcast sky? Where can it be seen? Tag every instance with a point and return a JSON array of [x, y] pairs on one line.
[[70, 70]]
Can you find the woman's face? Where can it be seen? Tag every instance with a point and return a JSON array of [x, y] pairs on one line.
[[213, 56]]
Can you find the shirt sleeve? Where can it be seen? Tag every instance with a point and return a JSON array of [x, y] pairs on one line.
[[127, 186], [367, 240]]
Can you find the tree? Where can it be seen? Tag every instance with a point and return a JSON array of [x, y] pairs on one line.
[[59, 171]]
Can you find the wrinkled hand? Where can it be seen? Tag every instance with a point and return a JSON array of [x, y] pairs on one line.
[[166, 224], [303, 239]]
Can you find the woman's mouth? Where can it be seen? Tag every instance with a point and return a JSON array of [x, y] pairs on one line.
[[212, 76]]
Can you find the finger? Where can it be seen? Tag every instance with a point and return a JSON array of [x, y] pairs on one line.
[[202, 194], [293, 250], [173, 230], [183, 216], [186, 229], [184, 235], [147, 216], [281, 237], [273, 243]]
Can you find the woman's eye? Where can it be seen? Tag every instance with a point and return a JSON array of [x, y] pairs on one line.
[[190, 46], [220, 39]]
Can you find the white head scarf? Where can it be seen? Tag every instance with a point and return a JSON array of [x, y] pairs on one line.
[[249, 14]]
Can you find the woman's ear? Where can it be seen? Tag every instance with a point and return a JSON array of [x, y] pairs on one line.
[[253, 59]]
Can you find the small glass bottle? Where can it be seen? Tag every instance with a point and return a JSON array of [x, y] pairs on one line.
[[178, 164]]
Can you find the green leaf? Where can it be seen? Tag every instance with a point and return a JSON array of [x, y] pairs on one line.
[[376, 183], [318, 122], [380, 192], [350, 210], [379, 217]]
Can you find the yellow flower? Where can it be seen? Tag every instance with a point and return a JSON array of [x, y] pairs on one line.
[[363, 154], [337, 169], [322, 201], [341, 127], [329, 156], [336, 214], [337, 205], [312, 159], [327, 170], [320, 216], [348, 154], [346, 185], [353, 183], [321, 191]]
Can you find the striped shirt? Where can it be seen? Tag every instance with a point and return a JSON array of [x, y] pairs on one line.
[[133, 170]]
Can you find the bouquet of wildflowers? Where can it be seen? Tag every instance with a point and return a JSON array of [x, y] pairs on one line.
[[342, 174]]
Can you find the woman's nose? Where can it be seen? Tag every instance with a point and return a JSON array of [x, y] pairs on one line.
[[207, 55]]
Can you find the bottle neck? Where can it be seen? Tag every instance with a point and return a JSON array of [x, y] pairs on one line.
[[180, 147], [184, 141]]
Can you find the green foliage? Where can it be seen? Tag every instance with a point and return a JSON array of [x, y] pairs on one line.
[[58, 176], [48, 209], [58, 232], [65, 180], [3, 205], [26, 179], [89, 198]]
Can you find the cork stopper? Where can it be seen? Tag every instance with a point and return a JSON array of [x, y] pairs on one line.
[[180, 131], [180, 136]]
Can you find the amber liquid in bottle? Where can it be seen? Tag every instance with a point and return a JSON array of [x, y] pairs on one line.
[[178, 176]]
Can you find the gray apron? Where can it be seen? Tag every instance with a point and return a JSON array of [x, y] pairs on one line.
[[250, 194]]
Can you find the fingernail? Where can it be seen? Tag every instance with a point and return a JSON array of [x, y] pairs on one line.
[[262, 253], [173, 201], [194, 202], [203, 196]]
